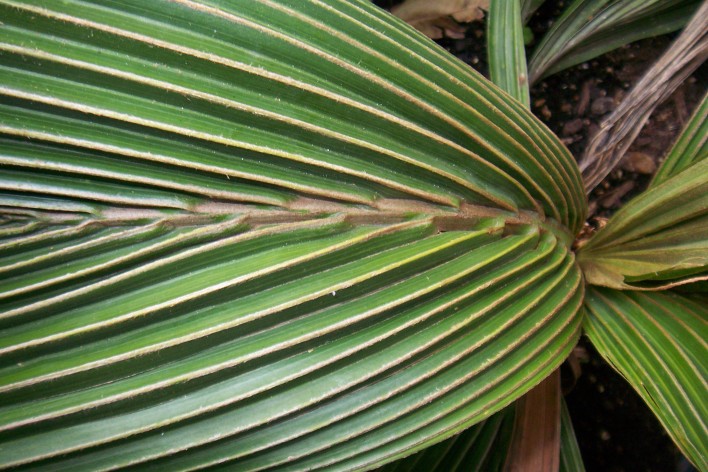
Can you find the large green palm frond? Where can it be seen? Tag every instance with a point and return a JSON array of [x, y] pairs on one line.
[[265, 234]]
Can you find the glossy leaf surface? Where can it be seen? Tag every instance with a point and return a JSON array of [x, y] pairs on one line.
[[401, 121]]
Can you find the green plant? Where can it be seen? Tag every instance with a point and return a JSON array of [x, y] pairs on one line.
[[299, 235]]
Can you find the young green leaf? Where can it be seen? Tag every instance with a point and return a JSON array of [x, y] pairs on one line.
[[657, 342], [691, 146], [363, 341], [659, 239], [507, 57], [589, 28], [337, 106]]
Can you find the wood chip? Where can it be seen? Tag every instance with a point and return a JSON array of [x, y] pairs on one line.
[[602, 105], [614, 198], [572, 127], [584, 98], [638, 162], [440, 18]]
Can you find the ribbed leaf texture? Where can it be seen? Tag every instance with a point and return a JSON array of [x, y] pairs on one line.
[[570, 458], [482, 447], [660, 239], [278, 86], [657, 342], [690, 147], [505, 48], [657, 240], [590, 28], [265, 234]]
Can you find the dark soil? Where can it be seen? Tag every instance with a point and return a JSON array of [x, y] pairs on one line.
[[574, 102], [616, 431]]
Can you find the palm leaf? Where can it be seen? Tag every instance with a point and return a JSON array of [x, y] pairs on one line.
[[570, 458], [590, 28], [690, 147], [657, 342], [238, 233], [507, 57], [481, 447], [528, 7], [659, 239]]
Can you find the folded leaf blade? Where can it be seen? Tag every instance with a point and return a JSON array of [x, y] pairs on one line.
[[589, 28], [659, 238], [245, 233], [421, 304], [507, 57], [657, 342], [480, 163], [690, 147]]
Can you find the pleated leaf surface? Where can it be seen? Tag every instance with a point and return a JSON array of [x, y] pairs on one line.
[[690, 147], [265, 235], [657, 240], [590, 28], [657, 342], [505, 49], [482, 447]]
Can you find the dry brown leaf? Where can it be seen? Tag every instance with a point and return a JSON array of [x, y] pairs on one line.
[[638, 162], [619, 130], [440, 18]]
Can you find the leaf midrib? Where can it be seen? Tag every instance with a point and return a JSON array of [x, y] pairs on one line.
[[382, 211]]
